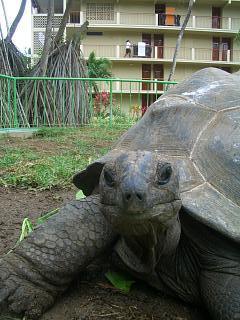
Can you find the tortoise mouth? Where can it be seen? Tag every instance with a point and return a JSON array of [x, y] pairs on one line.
[[164, 211], [137, 223]]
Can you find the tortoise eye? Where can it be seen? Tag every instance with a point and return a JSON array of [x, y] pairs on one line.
[[109, 178], [164, 173]]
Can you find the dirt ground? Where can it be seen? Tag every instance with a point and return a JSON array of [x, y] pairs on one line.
[[91, 296]]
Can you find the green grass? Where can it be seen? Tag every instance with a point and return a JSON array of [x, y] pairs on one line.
[[52, 156], [15, 156]]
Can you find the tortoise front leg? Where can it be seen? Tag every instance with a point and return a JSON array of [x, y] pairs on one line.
[[221, 293], [43, 265]]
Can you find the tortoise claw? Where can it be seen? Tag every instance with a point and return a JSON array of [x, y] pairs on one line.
[[19, 296]]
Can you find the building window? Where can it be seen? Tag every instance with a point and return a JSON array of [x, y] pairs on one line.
[[221, 49], [42, 6], [216, 17], [74, 17], [100, 11], [38, 41]]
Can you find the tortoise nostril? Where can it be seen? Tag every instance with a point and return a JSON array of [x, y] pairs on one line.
[[139, 196], [130, 196], [127, 196]]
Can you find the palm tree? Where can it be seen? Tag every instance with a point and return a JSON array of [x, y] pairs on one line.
[[98, 68], [179, 39]]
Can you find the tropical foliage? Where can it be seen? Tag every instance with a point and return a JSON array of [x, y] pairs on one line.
[[98, 67]]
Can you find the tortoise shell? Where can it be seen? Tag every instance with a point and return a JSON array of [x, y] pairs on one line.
[[196, 127]]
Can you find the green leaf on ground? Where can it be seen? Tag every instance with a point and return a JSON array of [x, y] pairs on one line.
[[80, 195], [119, 281], [27, 227]]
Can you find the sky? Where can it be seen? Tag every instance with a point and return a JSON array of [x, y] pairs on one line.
[[22, 36]]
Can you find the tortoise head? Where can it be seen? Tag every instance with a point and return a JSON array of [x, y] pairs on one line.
[[136, 188]]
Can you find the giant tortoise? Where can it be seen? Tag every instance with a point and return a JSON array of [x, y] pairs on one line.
[[166, 199]]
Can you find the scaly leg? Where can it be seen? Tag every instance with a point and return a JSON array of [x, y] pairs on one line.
[[43, 265], [221, 294]]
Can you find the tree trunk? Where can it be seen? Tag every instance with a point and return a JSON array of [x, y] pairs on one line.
[[16, 21], [48, 40], [59, 35], [5, 15], [179, 39]]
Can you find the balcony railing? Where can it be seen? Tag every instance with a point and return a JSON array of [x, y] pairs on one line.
[[153, 20], [142, 19], [108, 18], [162, 53]]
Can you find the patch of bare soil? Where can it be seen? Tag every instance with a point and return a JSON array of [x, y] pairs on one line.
[[90, 297], [17, 204]]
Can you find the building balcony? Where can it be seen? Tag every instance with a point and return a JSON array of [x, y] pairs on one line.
[[143, 53], [151, 20], [140, 20], [131, 86]]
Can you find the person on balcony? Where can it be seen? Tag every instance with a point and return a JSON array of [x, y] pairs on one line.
[[177, 20], [128, 49]]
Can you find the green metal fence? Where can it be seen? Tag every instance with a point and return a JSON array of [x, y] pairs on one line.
[[43, 101]]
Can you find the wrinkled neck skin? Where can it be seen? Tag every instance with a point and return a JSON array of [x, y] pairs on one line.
[[145, 242], [153, 246]]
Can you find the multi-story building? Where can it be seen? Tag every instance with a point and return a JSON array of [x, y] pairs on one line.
[[152, 27]]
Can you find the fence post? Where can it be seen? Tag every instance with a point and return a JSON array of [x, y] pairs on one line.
[[15, 103], [91, 102], [111, 102], [9, 103]]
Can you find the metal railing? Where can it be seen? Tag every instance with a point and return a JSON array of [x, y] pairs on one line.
[[77, 18], [158, 19], [163, 53], [53, 102]]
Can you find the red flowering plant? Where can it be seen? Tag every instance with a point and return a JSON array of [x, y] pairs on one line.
[[101, 103]]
